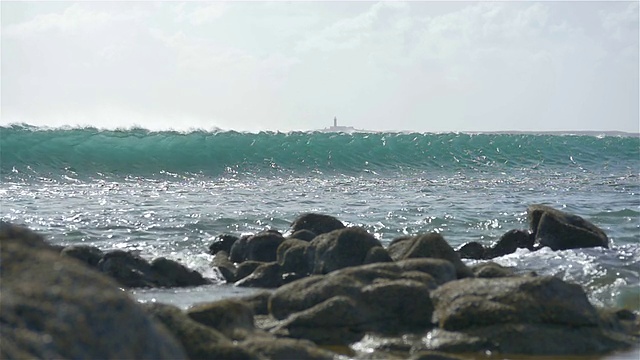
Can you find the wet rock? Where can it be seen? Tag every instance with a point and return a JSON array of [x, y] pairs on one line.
[[56, 307], [267, 275], [442, 271], [232, 317], [377, 254], [198, 340], [259, 247], [225, 266], [341, 248], [428, 246], [258, 302], [317, 223], [560, 231], [128, 269], [304, 235], [491, 270], [434, 355], [472, 250], [89, 255], [222, 242], [294, 257], [172, 274], [509, 243]]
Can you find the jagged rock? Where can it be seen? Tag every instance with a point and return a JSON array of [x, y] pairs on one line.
[[89, 255], [198, 340], [560, 231], [317, 223], [431, 245], [341, 248], [56, 307], [222, 242]]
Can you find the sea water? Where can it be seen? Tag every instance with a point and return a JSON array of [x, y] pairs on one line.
[[171, 193]]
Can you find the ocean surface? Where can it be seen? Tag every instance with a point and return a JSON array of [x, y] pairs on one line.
[[170, 193]]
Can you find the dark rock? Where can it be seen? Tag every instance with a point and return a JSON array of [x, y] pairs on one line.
[[341, 248], [247, 268], [199, 341], [259, 247], [56, 307], [560, 231], [222, 242], [491, 270], [225, 266], [286, 349], [89, 255], [267, 275], [232, 317], [472, 250], [294, 257], [377, 254], [317, 223], [509, 243], [477, 302], [434, 355], [428, 246], [172, 274], [304, 235], [128, 269]]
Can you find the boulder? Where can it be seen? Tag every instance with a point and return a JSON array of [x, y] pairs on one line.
[[89, 255], [258, 302], [304, 235], [442, 271], [377, 254], [286, 349], [259, 247], [431, 245], [56, 307], [222, 242], [232, 317], [471, 250], [317, 223], [198, 340], [341, 248], [172, 274], [294, 257], [267, 275], [246, 268], [507, 244], [560, 231], [491, 270]]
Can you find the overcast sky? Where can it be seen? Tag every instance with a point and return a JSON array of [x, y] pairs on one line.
[[250, 66]]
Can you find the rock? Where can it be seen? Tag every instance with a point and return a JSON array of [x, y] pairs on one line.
[[478, 302], [472, 250], [441, 271], [247, 268], [509, 243], [222, 242], [128, 269], [491, 270], [258, 302], [377, 254], [304, 235], [286, 349], [232, 317], [199, 341], [434, 355], [259, 247], [225, 266], [560, 231], [428, 246], [341, 248], [172, 274], [133, 271], [294, 257], [317, 223], [267, 275], [56, 307], [89, 255]]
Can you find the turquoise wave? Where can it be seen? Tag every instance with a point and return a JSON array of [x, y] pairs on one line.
[[141, 152]]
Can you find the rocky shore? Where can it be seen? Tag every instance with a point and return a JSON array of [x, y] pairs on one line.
[[330, 292]]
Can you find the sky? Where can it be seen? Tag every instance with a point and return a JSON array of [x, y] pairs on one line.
[[286, 66]]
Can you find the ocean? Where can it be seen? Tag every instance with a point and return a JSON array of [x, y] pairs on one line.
[[169, 193]]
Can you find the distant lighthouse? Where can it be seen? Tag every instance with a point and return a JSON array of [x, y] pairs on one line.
[[335, 121]]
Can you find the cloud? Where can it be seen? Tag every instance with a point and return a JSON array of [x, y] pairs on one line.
[[621, 24]]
